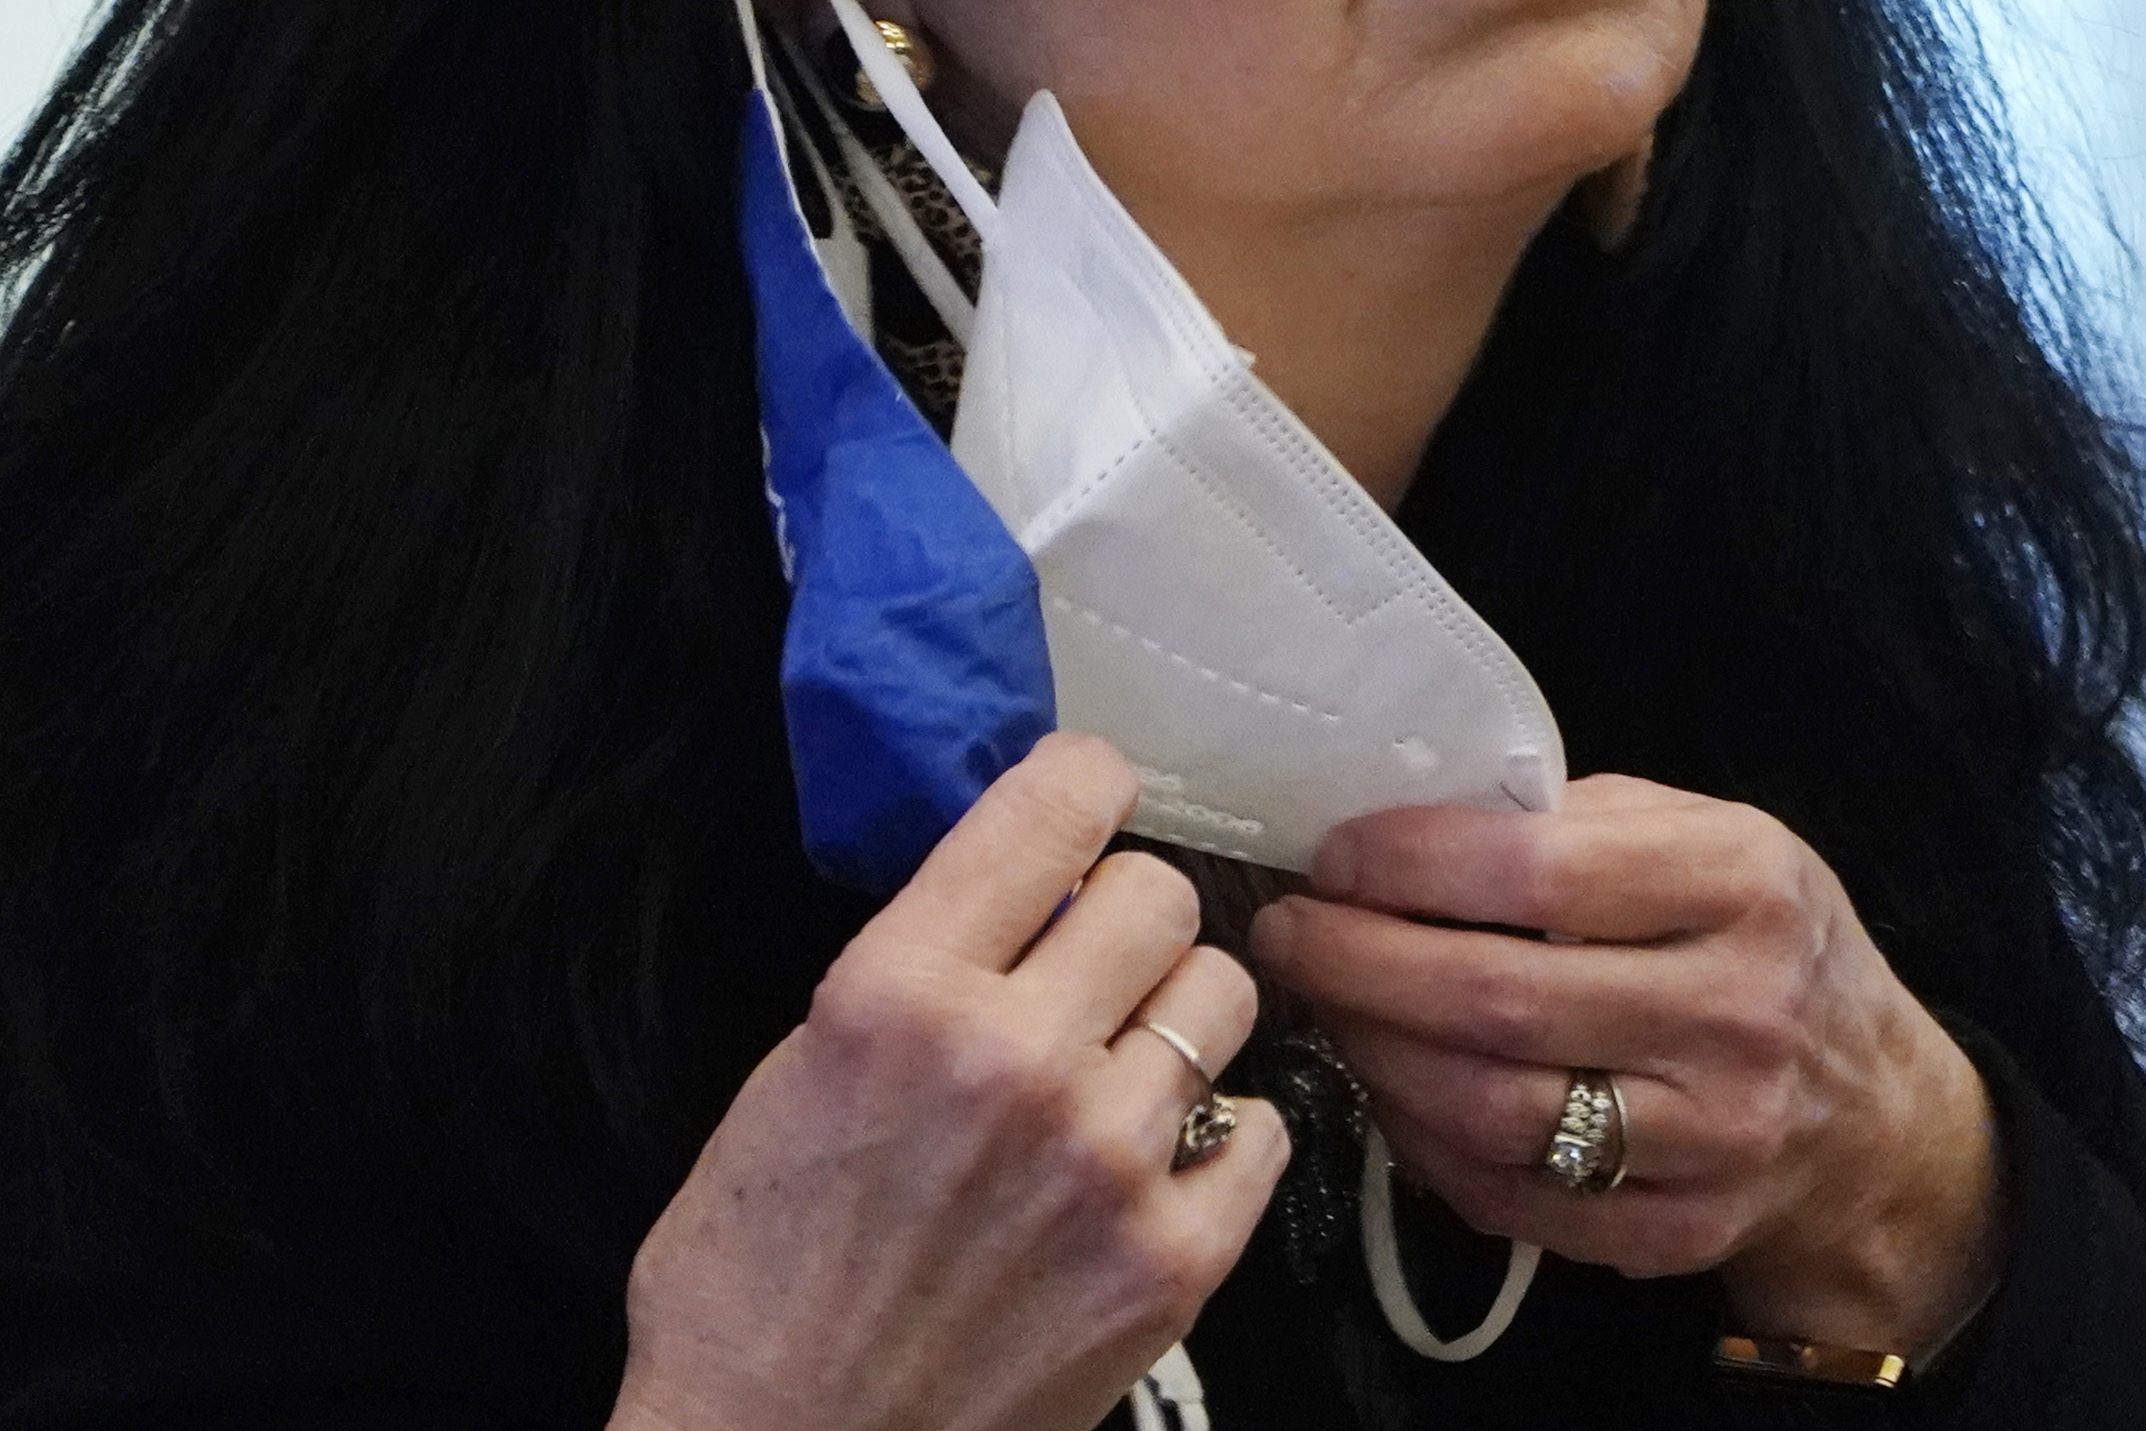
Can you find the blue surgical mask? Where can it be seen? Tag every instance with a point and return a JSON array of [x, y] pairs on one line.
[[915, 669]]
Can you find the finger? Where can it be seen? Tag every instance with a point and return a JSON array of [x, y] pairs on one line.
[[1212, 1207], [1618, 868], [1006, 867], [1131, 923], [1562, 1006], [1209, 1001], [1495, 1112]]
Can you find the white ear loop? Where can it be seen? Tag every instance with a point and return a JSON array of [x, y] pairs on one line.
[[899, 93], [1172, 1386], [933, 278], [755, 57], [1382, 1255]]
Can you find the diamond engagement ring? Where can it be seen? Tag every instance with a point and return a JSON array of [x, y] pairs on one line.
[[1589, 1130], [1205, 1131], [1206, 1128]]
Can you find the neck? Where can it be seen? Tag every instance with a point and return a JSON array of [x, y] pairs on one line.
[[1365, 321], [1365, 324]]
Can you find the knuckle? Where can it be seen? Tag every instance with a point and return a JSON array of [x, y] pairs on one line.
[[1548, 876], [1627, 789], [1483, 1213], [1563, 866], [1479, 1202], [1650, 1254], [649, 1279], [1744, 1143], [1711, 1239], [1764, 1016], [1161, 889], [1771, 878], [1501, 1124], [1513, 1016], [1757, 1135], [1084, 769], [1109, 1164], [1645, 1259], [860, 1005], [1058, 817], [852, 1003], [1231, 991]]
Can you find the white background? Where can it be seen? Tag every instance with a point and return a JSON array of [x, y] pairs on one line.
[[2075, 71], [35, 36]]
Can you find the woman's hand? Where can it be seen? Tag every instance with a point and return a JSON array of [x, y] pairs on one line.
[[1794, 1117], [946, 1199]]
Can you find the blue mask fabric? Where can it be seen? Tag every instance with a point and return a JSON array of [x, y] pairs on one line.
[[915, 669]]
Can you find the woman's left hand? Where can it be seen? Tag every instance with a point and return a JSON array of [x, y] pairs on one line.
[[1794, 1117]]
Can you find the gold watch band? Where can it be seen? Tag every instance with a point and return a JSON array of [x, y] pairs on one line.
[[1810, 1361]]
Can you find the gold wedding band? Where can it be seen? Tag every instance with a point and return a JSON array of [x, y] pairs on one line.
[[1614, 1178], [1590, 1124]]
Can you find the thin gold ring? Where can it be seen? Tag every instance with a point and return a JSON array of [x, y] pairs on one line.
[[1184, 1047], [1614, 1178]]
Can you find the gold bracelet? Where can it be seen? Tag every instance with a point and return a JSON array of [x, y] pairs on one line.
[[1810, 1361]]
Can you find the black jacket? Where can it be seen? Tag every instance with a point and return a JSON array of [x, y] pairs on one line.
[[412, 1299], [2061, 1345]]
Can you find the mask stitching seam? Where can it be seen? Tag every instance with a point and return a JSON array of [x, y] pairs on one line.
[[1160, 796], [1054, 519], [1221, 498], [1421, 582], [1156, 648], [1203, 846]]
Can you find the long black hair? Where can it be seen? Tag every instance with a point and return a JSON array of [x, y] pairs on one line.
[[391, 773]]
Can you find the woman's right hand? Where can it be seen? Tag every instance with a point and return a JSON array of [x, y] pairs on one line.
[[946, 1199]]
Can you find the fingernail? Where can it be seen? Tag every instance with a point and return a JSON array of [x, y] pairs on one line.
[[1268, 941], [1333, 868], [1283, 1149]]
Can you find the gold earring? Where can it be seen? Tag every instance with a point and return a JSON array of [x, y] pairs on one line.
[[909, 49]]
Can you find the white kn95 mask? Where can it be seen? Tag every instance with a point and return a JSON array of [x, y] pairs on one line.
[[1223, 601]]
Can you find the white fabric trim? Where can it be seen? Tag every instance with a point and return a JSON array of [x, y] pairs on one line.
[[842, 254], [1173, 1384], [1382, 1256], [749, 28]]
